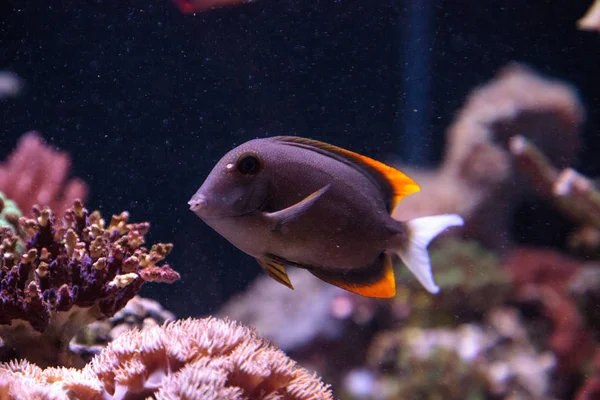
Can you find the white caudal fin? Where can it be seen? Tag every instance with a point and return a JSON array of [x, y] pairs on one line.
[[421, 231]]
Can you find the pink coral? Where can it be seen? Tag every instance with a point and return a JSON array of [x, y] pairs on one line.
[[189, 360], [35, 173]]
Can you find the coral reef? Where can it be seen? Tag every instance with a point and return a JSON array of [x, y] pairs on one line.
[[572, 194], [591, 20], [470, 361], [189, 359], [471, 281], [63, 270], [291, 319], [35, 173], [139, 313], [501, 327], [71, 271], [9, 213], [477, 178]]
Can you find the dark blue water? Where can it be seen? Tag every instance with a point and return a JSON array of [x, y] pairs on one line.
[[146, 99]]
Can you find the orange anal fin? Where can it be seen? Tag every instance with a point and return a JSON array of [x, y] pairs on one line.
[[276, 270], [384, 287]]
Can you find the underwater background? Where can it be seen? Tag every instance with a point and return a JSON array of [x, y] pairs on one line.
[[146, 99]]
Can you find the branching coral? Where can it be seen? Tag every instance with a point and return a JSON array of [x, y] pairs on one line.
[[477, 178], [138, 313], [35, 173], [188, 360], [72, 271], [9, 212], [572, 193]]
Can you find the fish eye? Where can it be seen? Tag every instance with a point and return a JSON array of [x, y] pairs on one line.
[[249, 164]]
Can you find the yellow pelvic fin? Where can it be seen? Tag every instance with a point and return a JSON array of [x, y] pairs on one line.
[[401, 185], [384, 287], [276, 271]]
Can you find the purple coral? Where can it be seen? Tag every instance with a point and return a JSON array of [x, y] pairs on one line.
[[59, 275]]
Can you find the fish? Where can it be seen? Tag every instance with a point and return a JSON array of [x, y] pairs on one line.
[[290, 201], [195, 6]]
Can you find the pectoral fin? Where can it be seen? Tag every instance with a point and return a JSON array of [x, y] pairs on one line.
[[276, 270], [282, 217], [383, 286]]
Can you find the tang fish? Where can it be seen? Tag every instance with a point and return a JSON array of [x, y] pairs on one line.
[[290, 201]]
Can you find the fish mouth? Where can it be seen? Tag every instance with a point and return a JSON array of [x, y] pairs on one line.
[[199, 205]]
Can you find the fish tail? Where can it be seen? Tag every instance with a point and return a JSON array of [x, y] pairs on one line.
[[420, 232]]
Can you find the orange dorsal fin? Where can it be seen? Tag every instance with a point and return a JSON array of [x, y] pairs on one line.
[[395, 183], [384, 287]]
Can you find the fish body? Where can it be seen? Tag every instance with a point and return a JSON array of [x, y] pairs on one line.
[[290, 201]]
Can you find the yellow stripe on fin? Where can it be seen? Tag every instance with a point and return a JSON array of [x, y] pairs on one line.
[[398, 183], [276, 271], [385, 287]]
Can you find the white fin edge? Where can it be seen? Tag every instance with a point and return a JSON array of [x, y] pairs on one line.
[[421, 231]]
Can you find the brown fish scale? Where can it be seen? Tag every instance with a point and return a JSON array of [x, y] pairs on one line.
[[345, 240], [346, 228]]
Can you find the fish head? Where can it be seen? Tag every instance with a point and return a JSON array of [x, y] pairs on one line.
[[238, 184]]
